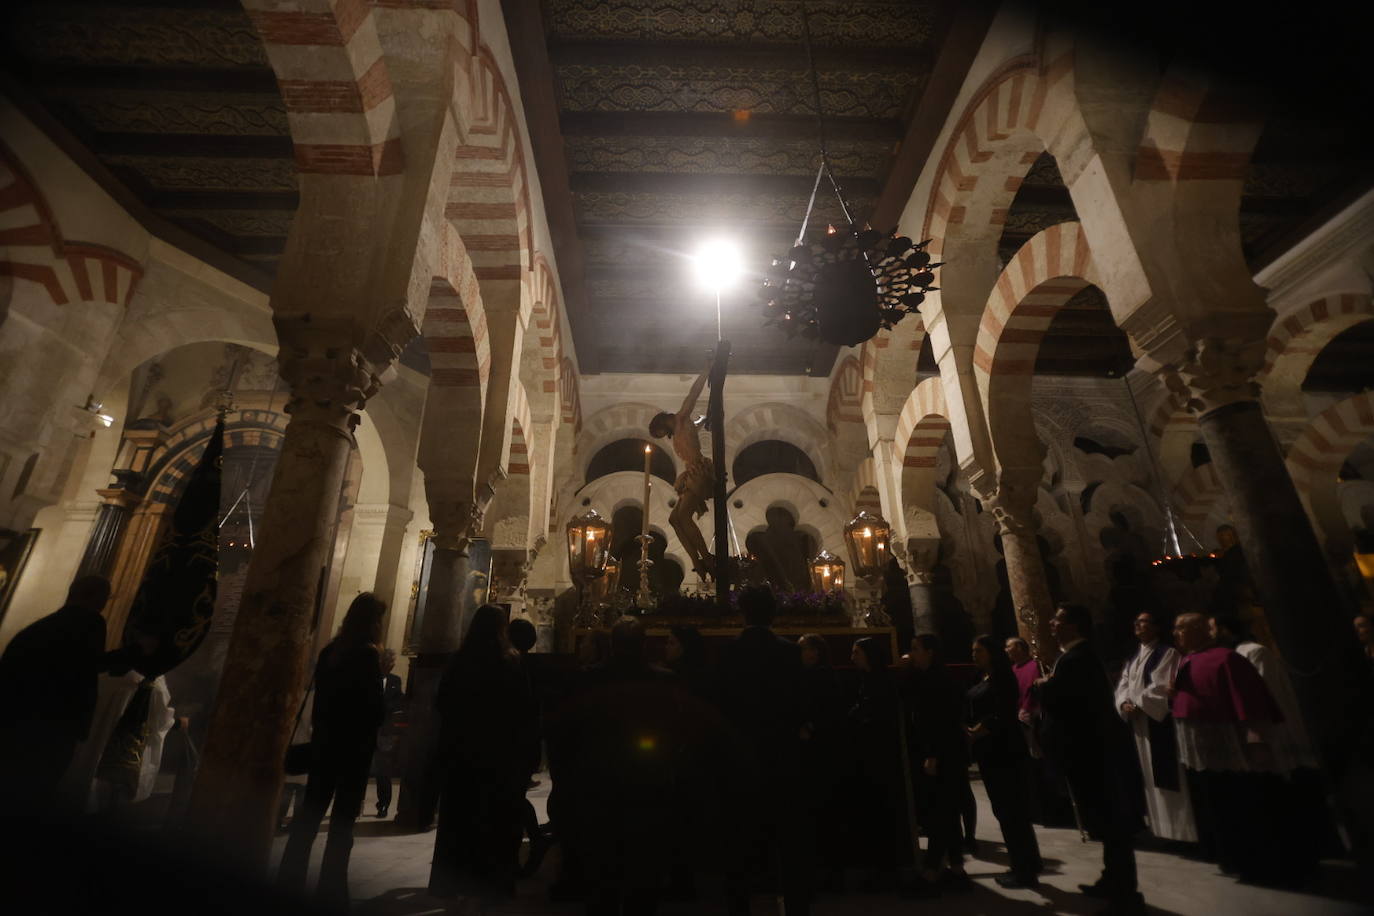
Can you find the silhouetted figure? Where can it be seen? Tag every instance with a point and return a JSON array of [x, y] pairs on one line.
[[48, 678], [685, 655], [523, 637], [758, 686], [1083, 734], [344, 721], [625, 740], [939, 758], [822, 752], [389, 737], [897, 601], [485, 734], [998, 747], [878, 833]]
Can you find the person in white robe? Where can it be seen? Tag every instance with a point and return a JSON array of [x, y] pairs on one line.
[[81, 783], [1142, 700], [1292, 746]]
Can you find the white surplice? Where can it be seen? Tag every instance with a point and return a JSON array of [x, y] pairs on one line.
[[1291, 745], [1171, 814]]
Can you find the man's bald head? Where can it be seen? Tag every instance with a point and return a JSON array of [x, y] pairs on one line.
[[1191, 633]]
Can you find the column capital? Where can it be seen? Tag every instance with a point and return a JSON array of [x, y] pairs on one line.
[[331, 377], [1012, 502], [1214, 372]]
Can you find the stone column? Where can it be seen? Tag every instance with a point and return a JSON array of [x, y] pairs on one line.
[[117, 505], [1286, 562], [455, 515], [921, 555], [1013, 505], [267, 668]]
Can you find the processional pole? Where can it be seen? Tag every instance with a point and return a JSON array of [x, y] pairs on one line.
[[715, 412]]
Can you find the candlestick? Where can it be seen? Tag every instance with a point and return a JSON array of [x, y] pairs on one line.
[[645, 597]]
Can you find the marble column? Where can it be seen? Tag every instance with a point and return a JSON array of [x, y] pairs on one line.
[[440, 635], [1287, 565], [267, 668], [1013, 507], [117, 506]]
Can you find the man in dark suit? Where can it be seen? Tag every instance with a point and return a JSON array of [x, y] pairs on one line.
[[1089, 743], [48, 678], [389, 735], [759, 691]]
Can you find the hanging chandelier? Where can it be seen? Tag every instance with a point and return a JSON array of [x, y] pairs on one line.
[[854, 280]]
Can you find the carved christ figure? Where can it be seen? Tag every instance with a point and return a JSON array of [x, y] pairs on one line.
[[697, 480]]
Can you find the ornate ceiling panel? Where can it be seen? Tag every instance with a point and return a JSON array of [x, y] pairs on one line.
[[177, 100], [861, 23], [685, 120]]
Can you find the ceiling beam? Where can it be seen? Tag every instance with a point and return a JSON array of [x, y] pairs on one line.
[[762, 56], [53, 79], [170, 145], [722, 124], [680, 183]]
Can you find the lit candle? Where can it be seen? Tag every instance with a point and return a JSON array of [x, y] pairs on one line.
[[648, 457]]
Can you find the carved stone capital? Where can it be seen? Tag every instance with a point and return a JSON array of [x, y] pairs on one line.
[[330, 377], [1013, 505], [1214, 372]]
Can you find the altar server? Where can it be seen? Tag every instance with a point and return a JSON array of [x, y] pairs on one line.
[[1142, 700]]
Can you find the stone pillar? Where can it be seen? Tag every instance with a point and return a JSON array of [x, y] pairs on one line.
[[1286, 562], [110, 520], [267, 668], [440, 635], [1013, 505]]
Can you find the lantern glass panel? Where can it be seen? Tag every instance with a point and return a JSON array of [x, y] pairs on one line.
[[869, 538], [827, 573]]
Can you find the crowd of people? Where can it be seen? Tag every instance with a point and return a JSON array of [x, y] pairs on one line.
[[741, 766]]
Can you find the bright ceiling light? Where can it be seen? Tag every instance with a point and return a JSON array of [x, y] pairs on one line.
[[717, 264]]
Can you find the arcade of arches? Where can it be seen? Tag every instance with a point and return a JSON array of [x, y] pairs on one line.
[[430, 292]]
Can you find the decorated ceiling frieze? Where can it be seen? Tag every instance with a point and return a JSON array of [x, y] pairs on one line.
[[625, 207], [724, 155], [206, 173], [633, 87], [143, 36], [228, 114], [859, 22]]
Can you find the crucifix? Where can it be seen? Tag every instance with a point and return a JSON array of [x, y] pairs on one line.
[[717, 266]]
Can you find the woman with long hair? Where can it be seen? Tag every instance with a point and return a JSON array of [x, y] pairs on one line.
[[1000, 751], [487, 732], [347, 712]]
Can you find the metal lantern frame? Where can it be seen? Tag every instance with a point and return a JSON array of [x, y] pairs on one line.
[[827, 573], [589, 546], [869, 537]]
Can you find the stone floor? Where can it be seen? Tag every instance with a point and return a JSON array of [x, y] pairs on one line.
[[389, 872]]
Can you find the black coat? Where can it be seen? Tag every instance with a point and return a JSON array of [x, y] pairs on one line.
[[759, 690], [348, 706], [48, 676], [935, 709], [993, 705], [1092, 746]]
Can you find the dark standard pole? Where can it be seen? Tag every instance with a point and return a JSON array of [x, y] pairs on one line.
[[715, 412]]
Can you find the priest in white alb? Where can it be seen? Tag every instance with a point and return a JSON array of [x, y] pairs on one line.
[[1142, 699]]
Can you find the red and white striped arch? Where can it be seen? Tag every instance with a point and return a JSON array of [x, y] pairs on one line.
[[1191, 131], [1298, 338], [845, 404], [921, 430], [456, 335], [33, 251], [1318, 453], [1049, 270], [335, 84], [488, 198]]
